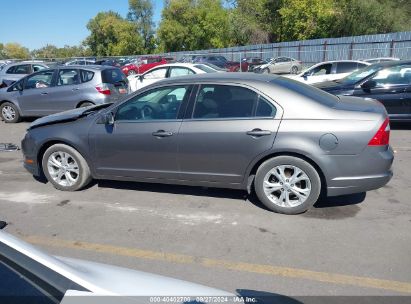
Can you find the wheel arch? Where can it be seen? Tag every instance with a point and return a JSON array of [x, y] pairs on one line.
[[43, 148], [83, 101], [251, 174]]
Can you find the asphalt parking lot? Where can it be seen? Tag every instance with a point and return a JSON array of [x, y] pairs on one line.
[[350, 245]]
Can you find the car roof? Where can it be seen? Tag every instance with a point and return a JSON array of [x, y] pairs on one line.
[[222, 77], [386, 64]]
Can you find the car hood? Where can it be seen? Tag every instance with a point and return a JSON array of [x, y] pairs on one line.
[[65, 116], [128, 282]]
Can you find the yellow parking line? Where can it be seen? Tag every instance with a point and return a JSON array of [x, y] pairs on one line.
[[288, 272]]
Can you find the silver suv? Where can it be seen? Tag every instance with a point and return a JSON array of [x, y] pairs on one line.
[[54, 90]]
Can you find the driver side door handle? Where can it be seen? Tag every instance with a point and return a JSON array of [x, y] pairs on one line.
[[258, 132], [162, 133]]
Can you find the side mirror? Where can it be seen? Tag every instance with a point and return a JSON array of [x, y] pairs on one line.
[[141, 77], [108, 118], [19, 86], [369, 84], [306, 74]]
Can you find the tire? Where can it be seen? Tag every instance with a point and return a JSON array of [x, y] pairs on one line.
[[131, 72], [294, 70], [10, 113], [265, 71], [279, 188], [85, 104], [79, 178]]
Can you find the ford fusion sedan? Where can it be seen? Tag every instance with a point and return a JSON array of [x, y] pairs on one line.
[[329, 70], [288, 141], [388, 82], [29, 275], [54, 90], [280, 65], [167, 71]]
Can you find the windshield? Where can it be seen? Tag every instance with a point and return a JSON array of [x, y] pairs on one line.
[[357, 76], [205, 68]]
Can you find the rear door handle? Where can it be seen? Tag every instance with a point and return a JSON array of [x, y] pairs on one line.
[[258, 132], [162, 133], [44, 93], [75, 89]]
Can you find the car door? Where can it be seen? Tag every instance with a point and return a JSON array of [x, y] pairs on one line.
[[226, 127], [388, 86], [36, 96], [142, 142], [65, 94], [150, 77]]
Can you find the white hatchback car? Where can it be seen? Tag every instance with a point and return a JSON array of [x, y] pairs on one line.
[[157, 73], [329, 71]]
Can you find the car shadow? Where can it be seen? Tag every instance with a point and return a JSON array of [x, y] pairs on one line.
[[337, 207]]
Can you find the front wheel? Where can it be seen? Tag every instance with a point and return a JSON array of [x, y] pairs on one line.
[[9, 113], [265, 71], [65, 168], [131, 72], [287, 184]]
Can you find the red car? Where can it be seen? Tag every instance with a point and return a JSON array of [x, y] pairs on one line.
[[142, 64]]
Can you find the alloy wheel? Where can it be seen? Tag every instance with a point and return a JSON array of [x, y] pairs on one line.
[[63, 168], [287, 186]]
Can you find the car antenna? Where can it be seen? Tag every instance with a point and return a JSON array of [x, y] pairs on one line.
[[2, 224]]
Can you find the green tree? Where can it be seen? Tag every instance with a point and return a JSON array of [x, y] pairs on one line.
[[141, 13], [15, 51], [193, 25], [112, 35]]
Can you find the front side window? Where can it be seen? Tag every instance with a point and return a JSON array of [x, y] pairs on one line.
[[323, 69], [398, 75], [20, 69], [156, 74], [39, 80], [180, 72], [160, 103], [222, 101], [68, 77]]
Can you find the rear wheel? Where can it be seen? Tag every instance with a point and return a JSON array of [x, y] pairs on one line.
[[10, 113], [65, 168], [294, 70], [287, 184], [85, 104]]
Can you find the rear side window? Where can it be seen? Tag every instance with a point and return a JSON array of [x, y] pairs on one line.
[[265, 108], [20, 69], [113, 76], [68, 77], [86, 76], [346, 67], [221, 101]]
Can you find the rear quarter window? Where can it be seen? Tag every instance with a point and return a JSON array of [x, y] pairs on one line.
[[113, 76], [86, 76]]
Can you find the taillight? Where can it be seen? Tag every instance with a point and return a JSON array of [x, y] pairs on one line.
[[103, 89], [382, 137]]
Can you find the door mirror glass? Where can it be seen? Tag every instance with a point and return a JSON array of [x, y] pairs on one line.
[[369, 84], [19, 86], [109, 118]]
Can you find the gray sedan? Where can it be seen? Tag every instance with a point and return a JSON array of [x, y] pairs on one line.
[[286, 140], [54, 90]]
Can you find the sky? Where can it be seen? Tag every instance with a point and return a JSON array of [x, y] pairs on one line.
[[35, 23]]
